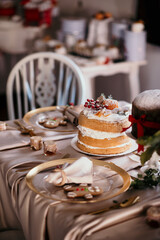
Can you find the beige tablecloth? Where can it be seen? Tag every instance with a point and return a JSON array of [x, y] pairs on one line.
[[42, 218]]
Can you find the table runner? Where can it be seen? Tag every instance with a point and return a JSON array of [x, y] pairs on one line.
[[12, 137]]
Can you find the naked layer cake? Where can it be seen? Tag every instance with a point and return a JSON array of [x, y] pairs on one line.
[[100, 127]]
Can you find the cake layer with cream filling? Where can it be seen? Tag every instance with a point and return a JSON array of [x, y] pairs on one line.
[[106, 150], [100, 127]]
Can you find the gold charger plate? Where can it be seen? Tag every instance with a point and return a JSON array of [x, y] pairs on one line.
[[36, 182], [33, 116]]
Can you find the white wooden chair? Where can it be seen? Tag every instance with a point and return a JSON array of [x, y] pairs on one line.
[[43, 79]]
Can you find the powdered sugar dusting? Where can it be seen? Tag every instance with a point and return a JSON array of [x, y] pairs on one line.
[[111, 115], [148, 100]]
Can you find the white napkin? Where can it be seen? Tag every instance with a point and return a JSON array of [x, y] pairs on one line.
[[72, 113], [72, 116], [80, 171]]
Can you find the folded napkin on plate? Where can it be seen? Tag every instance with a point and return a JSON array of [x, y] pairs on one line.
[[80, 171], [72, 115]]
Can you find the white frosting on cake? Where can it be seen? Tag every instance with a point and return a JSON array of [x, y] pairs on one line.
[[98, 134], [113, 117], [148, 100], [118, 146]]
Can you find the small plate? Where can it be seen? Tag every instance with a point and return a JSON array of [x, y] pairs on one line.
[[36, 181], [32, 118], [133, 148]]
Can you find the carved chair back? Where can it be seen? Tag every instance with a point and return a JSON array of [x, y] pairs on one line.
[[43, 79]]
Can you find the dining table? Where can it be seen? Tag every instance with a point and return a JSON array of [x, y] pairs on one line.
[[25, 205]]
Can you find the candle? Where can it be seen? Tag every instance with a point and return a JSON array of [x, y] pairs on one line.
[[50, 147], [36, 142]]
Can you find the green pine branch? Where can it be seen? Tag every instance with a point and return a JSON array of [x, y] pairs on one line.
[[152, 144]]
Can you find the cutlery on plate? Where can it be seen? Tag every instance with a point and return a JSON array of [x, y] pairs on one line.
[[128, 202], [25, 130], [22, 169]]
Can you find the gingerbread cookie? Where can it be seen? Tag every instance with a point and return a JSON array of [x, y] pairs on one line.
[[82, 190], [53, 122]]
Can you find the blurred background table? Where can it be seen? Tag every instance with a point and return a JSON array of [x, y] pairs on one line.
[[91, 70]]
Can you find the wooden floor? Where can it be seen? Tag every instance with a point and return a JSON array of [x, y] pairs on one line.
[[3, 108]]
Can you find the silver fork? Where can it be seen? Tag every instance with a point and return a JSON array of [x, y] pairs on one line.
[[67, 155], [25, 130]]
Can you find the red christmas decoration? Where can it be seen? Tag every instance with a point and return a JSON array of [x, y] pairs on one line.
[[37, 13], [141, 122]]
